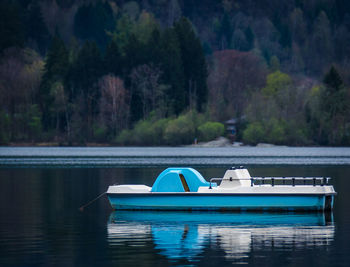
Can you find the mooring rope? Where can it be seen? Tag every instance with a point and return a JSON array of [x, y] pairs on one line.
[[92, 201]]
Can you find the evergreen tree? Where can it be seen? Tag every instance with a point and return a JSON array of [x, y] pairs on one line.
[[123, 30], [333, 81], [194, 65], [65, 3], [87, 69], [225, 31], [173, 72], [92, 21], [334, 100], [85, 74], [36, 28], [11, 28], [329, 112], [134, 53], [153, 47], [113, 59], [56, 67], [250, 39]]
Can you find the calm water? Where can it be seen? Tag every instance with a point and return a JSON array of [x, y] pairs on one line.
[[42, 189]]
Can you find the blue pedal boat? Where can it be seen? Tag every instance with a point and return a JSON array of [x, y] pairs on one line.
[[186, 189]]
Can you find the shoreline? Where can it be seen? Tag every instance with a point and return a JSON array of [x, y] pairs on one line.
[[216, 143]]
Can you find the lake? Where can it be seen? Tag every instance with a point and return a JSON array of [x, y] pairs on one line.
[[41, 190]]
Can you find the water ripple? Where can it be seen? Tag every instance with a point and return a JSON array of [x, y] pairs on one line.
[[166, 156]]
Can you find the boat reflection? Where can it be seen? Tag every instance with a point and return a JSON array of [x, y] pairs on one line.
[[185, 235]]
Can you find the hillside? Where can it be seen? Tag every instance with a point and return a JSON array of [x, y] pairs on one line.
[[155, 72]]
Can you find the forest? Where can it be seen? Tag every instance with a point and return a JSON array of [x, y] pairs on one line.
[[168, 72]]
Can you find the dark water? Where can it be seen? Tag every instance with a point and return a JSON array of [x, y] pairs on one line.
[[40, 224]]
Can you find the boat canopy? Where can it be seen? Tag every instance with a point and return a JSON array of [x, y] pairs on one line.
[[179, 180]]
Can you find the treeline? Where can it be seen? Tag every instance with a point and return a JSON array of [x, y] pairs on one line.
[[164, 72], [285, 112], [89, 94]]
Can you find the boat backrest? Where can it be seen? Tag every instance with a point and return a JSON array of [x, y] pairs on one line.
[[179, 180]]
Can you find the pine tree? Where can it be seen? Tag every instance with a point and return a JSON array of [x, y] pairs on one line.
[[113, 59], [134, 53], [92, 21], [334, 101], [330, 116], [85, 74], [56, 68], [87, 70], [11, 28], [36, 28], [333, 81], [194, 64], [153, 47], [173, 72], [225, 31]]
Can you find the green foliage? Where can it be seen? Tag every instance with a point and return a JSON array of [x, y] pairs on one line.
[[294, 38], [277, 117], [329, 110], [177, 131], [272, 131], [180, 131], [144, 27], [123, 30], [145, 132], [100, 133], [210, 130], [275, 131], [124, 138], [275, 82], [274, 64], [254, 133]]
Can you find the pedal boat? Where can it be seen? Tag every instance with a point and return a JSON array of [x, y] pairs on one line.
[[186, 189]]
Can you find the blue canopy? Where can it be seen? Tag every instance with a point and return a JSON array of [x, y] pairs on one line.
[[179, 180]]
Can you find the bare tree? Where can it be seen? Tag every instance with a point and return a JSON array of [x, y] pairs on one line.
[[233, 76], [145, 82], [114, 103]]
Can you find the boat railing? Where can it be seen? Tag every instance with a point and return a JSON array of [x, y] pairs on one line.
[[212, 180], [293, 181]]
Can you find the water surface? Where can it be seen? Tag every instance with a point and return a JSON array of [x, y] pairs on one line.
[[40, 224], [165, 156]]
